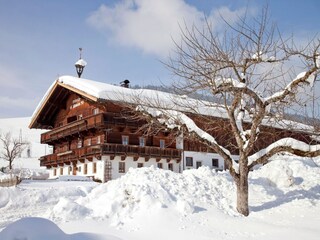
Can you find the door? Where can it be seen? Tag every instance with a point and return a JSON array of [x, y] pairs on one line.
[[198, 164]]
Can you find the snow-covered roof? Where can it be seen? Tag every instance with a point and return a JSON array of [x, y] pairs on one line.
[[99, 91]]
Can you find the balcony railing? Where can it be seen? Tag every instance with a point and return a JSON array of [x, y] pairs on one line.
[[111, 150], [95, 121]]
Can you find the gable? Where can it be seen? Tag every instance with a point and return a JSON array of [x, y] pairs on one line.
[[55, 102]]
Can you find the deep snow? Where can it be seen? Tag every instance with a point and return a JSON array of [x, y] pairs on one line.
[[159, 204]]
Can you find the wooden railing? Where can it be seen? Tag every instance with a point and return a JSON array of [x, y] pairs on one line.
[[95, 121], [111, 150]]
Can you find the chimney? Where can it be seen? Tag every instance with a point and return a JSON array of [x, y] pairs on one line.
[[125, 83]]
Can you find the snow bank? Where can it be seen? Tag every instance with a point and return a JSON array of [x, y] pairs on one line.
[[38, 229], [197, 204]]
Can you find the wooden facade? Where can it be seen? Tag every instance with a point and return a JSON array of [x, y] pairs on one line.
[[84, 131]]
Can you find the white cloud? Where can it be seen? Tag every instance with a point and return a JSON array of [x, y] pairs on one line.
[[150, 25]]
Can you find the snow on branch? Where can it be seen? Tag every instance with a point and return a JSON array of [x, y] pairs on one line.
[[289, 145], [302, 78], [175, 119]]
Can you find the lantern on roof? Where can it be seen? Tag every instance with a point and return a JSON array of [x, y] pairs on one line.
[[80, 64]]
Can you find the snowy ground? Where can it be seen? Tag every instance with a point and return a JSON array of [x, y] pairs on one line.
[[150, 203]]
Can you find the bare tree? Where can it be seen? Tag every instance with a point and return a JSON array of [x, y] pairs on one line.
[[11, 148], [251, 68]]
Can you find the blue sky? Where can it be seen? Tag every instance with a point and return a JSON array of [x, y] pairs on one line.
[[122, 39]]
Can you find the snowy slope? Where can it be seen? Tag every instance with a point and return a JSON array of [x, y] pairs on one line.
[[149, 203], [19, 127]]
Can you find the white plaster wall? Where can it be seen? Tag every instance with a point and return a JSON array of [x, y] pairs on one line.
[[204, 158], [130, 163], [80, 169]]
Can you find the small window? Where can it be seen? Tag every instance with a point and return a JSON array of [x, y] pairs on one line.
[[140, 165], [94, 167], [98, 139], [61, 171], [162, 143], [189, 161], [122, 167], [215, 162], [125, 140], [79, 145], [79, 169], [85, 168], [159, 165], [170, 166], [80, 116], [198, 164], [69, 170], [54, 172], [95, 111], [142, 141]]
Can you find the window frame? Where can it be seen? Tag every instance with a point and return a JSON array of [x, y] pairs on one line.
[[142, 141], [216, 160], [162, 143], [122, 167], [188, 163], [125, 139]]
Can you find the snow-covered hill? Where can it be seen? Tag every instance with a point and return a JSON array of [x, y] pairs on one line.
[[19, 128]]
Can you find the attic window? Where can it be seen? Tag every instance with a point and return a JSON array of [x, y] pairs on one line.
[[95, 111], [76, 103]]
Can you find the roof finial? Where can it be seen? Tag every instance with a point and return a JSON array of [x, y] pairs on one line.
[[80, 49], [80, 64]]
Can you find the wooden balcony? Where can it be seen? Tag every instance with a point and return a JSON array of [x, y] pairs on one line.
[[95, 121], [111, 150], [75, 127]]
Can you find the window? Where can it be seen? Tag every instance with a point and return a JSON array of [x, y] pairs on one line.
[[140, 165], [215, 162], [79, 145], [61, 171], [54, 172], [162, 143], [189, 161], [72, 119], [198, 164], [69, 170], [76, 103], [170, 166], [159, 165], [85, 168], [98, 139], [142, 141], [122, 167], [125, 140], [80, 116], [95, 111], [89, 141], [94, 167], [79, 169]]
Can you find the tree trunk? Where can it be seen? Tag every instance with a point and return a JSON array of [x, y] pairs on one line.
[[243, 194], [10, 165]]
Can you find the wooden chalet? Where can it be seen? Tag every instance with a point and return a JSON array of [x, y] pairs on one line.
[[90, 137]]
